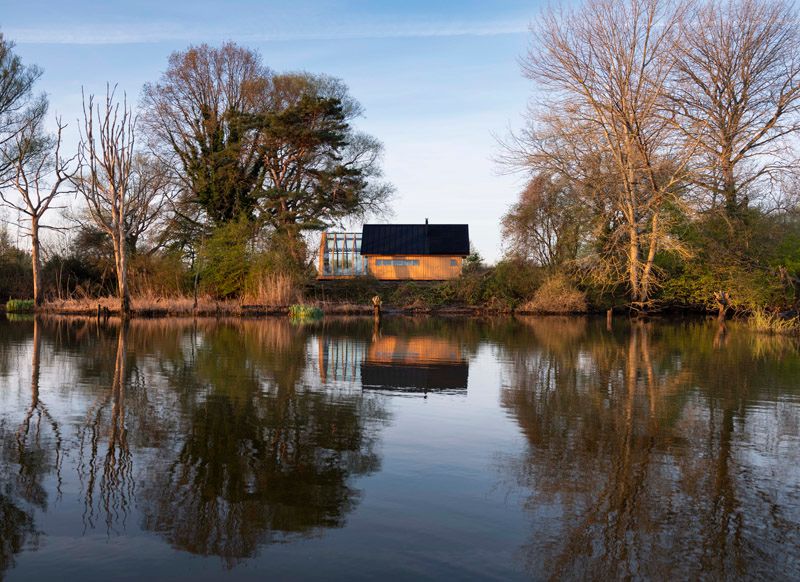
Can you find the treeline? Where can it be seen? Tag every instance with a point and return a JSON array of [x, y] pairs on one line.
[[212, 184], [661, 151]]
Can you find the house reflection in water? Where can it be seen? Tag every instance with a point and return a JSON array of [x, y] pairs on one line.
[[389, 362]]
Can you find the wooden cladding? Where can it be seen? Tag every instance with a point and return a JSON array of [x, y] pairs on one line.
[[413, 268], [390, 349]]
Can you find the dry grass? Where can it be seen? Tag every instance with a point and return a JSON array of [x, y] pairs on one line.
[[766, 322], [146, 305], [273, 290], [557, 296]]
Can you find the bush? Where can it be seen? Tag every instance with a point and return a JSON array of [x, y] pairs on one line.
[[159, 275], [16, 277], [695, 286], [509, 283], [556, 295], [19, 305], [224, 261]]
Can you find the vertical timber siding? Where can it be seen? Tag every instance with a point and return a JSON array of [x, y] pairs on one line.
[[430, 268]]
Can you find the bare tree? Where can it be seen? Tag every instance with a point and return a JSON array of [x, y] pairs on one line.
[[38, 173], [737, 92], [105, 165], [605, 68]]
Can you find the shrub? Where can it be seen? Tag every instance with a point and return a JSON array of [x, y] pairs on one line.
[[159, 275], [556, 295], [224, 261], [19, 305], [510, 283], [695, 287], [15, 269]]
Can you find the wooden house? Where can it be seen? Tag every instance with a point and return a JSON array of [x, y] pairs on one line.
[[417, 363], [396, 252]]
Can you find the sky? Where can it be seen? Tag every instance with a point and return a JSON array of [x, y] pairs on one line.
[[438, 79]]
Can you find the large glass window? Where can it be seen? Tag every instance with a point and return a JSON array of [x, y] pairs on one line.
[[342, 254]]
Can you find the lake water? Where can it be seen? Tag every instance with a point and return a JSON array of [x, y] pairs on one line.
[[429, 448]]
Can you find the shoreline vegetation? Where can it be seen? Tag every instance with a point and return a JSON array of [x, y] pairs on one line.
[[353, 298], [657, 179]]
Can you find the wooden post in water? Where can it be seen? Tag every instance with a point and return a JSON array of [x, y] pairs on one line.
[[376, 307], [723, 298], [609, 315]]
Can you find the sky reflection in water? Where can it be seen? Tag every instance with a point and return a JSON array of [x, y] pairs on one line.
[[426, 448]]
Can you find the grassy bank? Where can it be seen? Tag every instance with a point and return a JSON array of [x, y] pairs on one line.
[[178, 306], [504, 289]]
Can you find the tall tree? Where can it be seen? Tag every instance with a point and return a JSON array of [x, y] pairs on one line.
[[150, 193], [276, 148], [39, 174], [318, 169], [105, 166], [737, 93], [200, 116], [605, 66]]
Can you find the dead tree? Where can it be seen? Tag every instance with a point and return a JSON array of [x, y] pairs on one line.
[[38, 174], [105, 162]]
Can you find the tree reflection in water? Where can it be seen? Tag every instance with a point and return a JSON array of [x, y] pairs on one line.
[[109, 472], [651, 450], [208, 431], [27, 455], [650, 454], [254, 454]]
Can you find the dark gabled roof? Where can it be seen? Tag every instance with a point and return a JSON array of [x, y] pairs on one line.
[[415, 239]]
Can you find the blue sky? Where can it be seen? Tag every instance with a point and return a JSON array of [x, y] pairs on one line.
[[436, 78]]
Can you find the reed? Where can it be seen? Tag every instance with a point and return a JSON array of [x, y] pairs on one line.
[[146, 305], [275, 290], [764, 321]]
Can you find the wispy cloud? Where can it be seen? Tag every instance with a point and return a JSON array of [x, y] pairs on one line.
[[148, 33]]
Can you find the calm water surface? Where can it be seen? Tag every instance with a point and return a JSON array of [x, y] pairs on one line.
[[440, 449]]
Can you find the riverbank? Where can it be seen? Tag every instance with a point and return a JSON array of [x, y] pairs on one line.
[[354, 297], [178, 307]]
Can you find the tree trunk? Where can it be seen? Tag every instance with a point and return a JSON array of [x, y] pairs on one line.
[[633, 263], [651, 257], [37, 275], [729, 188], [122, 276]]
